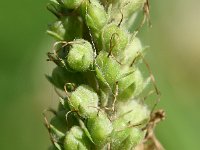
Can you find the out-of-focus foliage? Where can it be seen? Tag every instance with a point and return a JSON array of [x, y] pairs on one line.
[[174, 56]]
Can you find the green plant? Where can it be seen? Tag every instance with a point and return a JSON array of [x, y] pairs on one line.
[[97, 58]]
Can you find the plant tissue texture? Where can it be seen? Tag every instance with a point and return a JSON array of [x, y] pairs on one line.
[[98, 79]]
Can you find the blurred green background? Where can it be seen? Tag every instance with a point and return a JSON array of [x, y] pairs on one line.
[[174, 57]]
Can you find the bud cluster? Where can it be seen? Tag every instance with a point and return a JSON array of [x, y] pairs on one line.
[[96, 55]]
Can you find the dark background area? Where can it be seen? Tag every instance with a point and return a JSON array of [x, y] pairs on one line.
[[174, 56]]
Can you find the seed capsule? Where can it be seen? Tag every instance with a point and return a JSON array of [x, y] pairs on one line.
[[127, 8], [127, 139], [76, 140], [80, 56], [107, 69], [96, 16], [85, 101], [114, 39], [100, 128], [130, 85], [126, 133]]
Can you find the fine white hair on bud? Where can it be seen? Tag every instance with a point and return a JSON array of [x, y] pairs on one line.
[[99, 78]]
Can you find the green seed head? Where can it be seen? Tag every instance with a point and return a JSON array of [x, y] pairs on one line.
[[131, 52], [126, 8], [80, 56], [100, 128], [131, 85], [107, 69], [96, 17], [114, 39], [129, 113], [76, 139], [85, 101]]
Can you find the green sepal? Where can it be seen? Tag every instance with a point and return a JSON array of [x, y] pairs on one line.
[[114, 39], [100, 128], [131, 85], [76, 140], [107, 69], [84, 100], [131, 52], [96, 17]]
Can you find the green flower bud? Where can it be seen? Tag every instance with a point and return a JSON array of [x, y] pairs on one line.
[[127, 8], [60, 76], [72, 4], [100, 128], [127, 139], [76, 140], [130, 113], [80, 56], [96, 16], [131, 52], [135, 136], [130, 85], [73, 26], [133, 112], [114, 39], [85, 101], [107, 69], [132, 6]]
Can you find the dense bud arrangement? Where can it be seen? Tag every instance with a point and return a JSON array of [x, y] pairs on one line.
[[98, 79]]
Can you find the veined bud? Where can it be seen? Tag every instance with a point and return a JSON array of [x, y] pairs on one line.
[[107, 69], [72, 4], [85, 101], [60, 76], [76, 139], [114, 39], [80, 56], [100, 128], [96, 16]]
